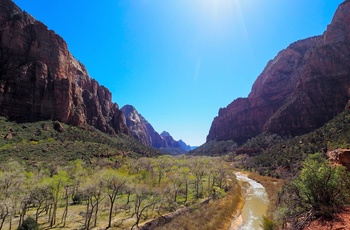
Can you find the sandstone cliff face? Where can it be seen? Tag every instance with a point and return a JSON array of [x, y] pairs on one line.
[[140, 128], [156, 140], [143, 131], [40, 79], [169, 140], [302, 88]]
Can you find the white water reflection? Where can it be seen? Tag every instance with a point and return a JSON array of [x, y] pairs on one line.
[[255, 206]]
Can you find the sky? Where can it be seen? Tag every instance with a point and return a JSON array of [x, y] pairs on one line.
[[179, 61]]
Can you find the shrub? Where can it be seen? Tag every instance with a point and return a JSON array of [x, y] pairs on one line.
[[268, 224], [29, 224], [78, 198], [320, 190]]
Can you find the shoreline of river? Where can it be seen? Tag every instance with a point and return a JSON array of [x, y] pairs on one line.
[[254, 194], [236, 223], [237, 219]]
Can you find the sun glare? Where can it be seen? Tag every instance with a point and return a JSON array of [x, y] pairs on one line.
[[217, 14], [218, 9]]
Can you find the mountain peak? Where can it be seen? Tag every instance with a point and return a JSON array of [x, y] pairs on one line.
[[165, 134], [128, 108]]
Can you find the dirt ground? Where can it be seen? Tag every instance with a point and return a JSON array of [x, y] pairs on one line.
[[341, 221]]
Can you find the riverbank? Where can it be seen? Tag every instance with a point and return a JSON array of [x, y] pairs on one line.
[[236, 223], [272, 185], [237, 218], [255, 206]]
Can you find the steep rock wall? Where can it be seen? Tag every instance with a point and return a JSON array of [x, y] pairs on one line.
[[40, 79], [302, 88]]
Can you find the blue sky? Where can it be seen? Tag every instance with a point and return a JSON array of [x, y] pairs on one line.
[[179, 61]]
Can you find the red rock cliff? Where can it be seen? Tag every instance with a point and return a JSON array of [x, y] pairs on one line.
[[40, 79], [302, 88], [141, 129]]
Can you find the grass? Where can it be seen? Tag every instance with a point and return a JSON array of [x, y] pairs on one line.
[[76, 218]]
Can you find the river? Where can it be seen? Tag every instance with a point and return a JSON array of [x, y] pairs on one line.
[[255, 206]]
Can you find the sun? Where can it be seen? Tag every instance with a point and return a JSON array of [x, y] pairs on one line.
[[217, 13], [217, 17], [218, 8]]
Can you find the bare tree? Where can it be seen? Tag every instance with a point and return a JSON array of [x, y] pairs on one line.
[[56, 183], [114, 183], [145, 198], [94, 194]]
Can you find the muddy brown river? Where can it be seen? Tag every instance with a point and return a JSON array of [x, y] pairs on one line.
[[255, 206]]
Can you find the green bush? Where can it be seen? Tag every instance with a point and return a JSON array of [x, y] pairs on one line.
[[320, 190], [78, 198], [29, 224], [268, 224]]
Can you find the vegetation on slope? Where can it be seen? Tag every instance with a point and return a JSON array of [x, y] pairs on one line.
[[215, 148], [54, 142], [282, 157]]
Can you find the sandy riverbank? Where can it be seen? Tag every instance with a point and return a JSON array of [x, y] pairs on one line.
[[236, 222]]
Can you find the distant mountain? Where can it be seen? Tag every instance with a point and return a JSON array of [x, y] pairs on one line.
[[169, 140], [184, 146], [176, 147], [302, 88], [140, 128], [143, 131]]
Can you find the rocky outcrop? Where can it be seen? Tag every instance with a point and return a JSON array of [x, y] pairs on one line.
[[302, 88], [169, 140], [340, 156], [141, 129], [40, 79]]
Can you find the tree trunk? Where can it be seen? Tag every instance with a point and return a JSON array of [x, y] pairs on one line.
[[111, 199], [54, 213], [4, 217], [87, 214], [65, 213], [186, 191], [50, 213], [96, 211], [10, 227], [209, 187], [22, 214], [37, 213]]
